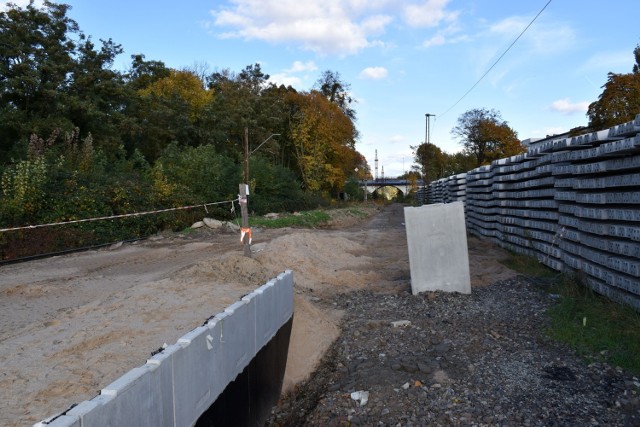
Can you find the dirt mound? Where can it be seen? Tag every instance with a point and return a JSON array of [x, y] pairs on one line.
[[318, 260]]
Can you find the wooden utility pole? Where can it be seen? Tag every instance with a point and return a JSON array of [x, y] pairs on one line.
[[245, 235], [246, 231], [246, 155]]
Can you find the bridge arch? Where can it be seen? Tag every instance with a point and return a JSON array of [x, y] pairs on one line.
[[402, 186]]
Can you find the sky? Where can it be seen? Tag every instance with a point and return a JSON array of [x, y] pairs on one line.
[[402, 59]]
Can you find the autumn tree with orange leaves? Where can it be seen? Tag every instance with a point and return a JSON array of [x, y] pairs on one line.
[[486, 136]]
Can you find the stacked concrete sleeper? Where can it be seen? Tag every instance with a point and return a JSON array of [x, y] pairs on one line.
[[572, 202]]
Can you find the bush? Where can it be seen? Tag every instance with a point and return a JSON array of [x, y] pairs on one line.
[[273, 188]]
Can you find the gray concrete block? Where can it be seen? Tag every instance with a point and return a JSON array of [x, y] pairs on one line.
[[266, 322], [98, 412], [629, 284], [163, 361], [572, 262], [60, 421], [81, 410], [238, 338], [134, 399], [284, 292], [198, 379], [438, 252]]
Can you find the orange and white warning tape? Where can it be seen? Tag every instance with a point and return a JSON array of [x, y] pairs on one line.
[[244, 232]]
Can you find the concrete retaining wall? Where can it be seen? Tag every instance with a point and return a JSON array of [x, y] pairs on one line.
[[573, 202], [180, 383]]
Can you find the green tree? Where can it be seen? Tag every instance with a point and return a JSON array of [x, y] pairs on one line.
[[97, 96], [237, 104], [430, 161], [274, 188], [143, 73], [619, 102], [52, 78], [486, 136], [36, 57], [459, 163], [172, 108], [198, 174]]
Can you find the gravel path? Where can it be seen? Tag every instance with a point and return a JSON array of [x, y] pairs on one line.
[[457, 360]]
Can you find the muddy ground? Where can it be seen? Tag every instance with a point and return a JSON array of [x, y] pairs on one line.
[[70, 325]]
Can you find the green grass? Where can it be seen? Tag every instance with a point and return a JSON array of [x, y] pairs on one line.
[[357, 212], [308, 219], [596, 327]]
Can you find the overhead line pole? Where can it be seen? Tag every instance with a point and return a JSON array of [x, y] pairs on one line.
[[427, 140]]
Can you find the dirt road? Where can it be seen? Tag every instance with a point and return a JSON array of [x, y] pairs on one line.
[[72, 324]]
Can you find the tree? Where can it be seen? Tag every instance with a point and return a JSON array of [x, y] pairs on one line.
[[619, 102], [337, 92], [238, 104], [97, 95], [171, 109], [36, 56], [484, 134], [430, 160], [459, 163], [143, 73], [323, 138], [53, 79]]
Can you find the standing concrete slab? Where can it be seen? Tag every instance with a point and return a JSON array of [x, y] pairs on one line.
[[438, 253]]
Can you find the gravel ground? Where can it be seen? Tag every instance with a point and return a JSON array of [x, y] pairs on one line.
[[457, 360]]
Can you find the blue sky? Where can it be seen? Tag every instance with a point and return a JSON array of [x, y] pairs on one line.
[[403, 59]]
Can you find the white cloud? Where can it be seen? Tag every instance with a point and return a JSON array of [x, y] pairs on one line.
[[540, 37], [285, 79], [565, 106], [448, 35], [621, 61], [374, 73], [436, 40], [299, 66], [339, 27], [430, 13]]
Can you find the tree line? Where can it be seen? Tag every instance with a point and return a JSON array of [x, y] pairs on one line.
[[81, 139]]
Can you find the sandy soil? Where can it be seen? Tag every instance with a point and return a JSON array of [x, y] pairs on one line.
[[71, 325]]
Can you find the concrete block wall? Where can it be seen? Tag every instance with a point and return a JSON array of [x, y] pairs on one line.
[[178, 384], [447, 190], [572, 202]]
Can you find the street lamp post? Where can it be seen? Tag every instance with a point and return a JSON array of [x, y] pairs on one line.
[[247, 153]]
